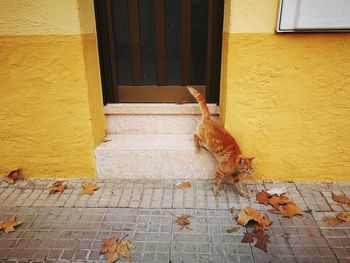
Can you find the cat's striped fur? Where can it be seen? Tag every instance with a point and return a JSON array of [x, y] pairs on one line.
[[212, 136]]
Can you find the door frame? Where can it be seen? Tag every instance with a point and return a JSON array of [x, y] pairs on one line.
[[107, 57]]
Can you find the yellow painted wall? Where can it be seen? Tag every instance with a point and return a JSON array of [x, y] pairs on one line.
[[51, 114], [286, 97]]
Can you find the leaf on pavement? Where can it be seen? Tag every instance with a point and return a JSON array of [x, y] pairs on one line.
[[263, 197], [9, 225], [342, 198], [248, 214], [331, 220], [108, 244], [57, 186], [243, 217], [183, 185], [89, 189], [247, 238], [344, 216], [282, 204], [290, 209], [184, 221], [276, 201], [116, 250], [13, 176], [231, 210], [232, 229], [262, 240]]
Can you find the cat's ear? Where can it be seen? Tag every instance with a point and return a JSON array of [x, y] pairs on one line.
[[251, 158]]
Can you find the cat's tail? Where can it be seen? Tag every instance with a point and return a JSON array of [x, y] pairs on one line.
[[201, 101]]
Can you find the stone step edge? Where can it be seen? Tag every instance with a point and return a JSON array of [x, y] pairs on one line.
[[157, 109]]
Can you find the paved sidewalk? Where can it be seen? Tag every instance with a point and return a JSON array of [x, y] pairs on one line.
[[66, 227]]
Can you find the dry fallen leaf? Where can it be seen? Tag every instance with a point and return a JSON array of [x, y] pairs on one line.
[[108, 244], [263, 197], [232, 229], [89, 189], [184, 185], [13, 176], [331, 220], [116, 250], [344, 216], [184, 221], [289, 210], [276, 201], [342, 198], [262, 240], [9, 225], [247, 238], [57, 186], [247, 214], [231, 210], [243, 217], [282, 204]]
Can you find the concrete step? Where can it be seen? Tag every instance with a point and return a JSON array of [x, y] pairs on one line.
[[153, 157], [128, 118]]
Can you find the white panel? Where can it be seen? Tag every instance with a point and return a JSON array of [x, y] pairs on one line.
[[288, 11], [314, 15]]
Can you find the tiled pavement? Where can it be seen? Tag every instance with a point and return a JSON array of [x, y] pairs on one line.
[[70, 228]]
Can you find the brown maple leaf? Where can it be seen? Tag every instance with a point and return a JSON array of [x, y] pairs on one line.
[[231, 210], [248, 238], [263, 197], [184, 185], [13, 176], [108, 244], [342, 198], [116, 250], [276, 201], [9, 225], [344, 216], [331, 220], [89, 189], [260, 218], [57, 186], [248, 214], [290, 209], [262, 240], [184, 221]]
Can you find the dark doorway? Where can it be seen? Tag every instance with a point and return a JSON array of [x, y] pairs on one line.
[[150, 50]]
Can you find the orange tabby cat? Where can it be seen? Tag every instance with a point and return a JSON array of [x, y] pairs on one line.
[[231, 163]]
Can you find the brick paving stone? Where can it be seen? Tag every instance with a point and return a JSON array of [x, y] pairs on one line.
[[67, 227], [313, 197]]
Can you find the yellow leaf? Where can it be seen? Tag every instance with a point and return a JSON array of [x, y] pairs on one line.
[[243, 218], [88, 189], [9, 225], [184, 185]]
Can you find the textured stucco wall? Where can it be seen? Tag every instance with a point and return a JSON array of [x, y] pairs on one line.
[[51, 116], [46, 17], [286, 97]]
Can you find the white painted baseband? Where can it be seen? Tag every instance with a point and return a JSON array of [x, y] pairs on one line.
[[153, 157]]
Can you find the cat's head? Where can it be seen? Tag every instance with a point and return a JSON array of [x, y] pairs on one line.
[[244, 165]]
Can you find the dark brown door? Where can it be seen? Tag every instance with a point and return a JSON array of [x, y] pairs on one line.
[[150, 50]]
